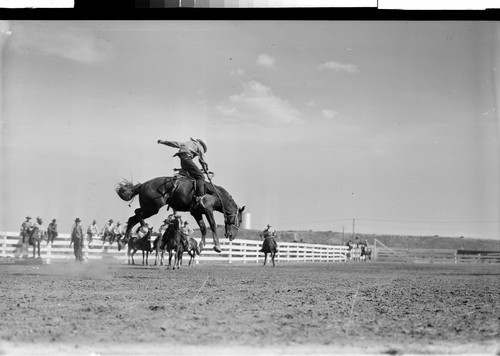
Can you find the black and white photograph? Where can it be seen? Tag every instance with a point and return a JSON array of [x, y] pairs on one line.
[[249, 187]]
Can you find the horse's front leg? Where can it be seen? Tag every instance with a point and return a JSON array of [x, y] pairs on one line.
[[169, 259], [213, 226], [265, 258], [203, 229]]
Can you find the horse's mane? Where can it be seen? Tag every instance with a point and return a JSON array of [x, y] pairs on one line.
[[224, 194]]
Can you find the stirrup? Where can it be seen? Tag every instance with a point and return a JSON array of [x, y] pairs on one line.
[[199, 200]]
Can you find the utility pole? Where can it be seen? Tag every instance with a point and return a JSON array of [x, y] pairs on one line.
[[353, 222]]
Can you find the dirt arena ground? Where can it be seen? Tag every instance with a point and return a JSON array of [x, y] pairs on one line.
[[108, 308]]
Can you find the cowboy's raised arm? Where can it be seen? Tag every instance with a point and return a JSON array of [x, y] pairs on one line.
[[170, 143]]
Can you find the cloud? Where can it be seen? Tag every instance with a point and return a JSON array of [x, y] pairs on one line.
[[329, 114], [257, 105], [237, 72], [265, 60], [5, 28], [64, 42], [339, 67]]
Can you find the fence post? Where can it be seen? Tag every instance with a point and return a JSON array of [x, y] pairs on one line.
[[230, 252], [257, 254], [49, 253], [4, 245]]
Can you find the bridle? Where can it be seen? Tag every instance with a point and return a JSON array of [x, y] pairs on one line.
[[233, 215], [227, 214]]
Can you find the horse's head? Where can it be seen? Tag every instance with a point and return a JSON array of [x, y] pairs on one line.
[[232, 223]]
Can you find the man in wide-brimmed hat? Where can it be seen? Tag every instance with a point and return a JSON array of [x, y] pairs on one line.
[[26, 229], [77, 240], [163, 228], [92, 232], [187, 151], [265, 234], [107, 231], [52, 231]]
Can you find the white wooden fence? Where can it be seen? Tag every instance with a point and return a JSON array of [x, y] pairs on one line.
[[386, 254], [243, 251]]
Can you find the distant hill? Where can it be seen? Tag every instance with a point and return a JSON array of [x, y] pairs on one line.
[[394, 241]]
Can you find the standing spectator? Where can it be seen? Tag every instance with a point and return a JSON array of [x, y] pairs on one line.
[[52, 232], [36, 236], [26, 229], [107, 231], [77, 240], [185, 231], [92, 233], [24, 235]]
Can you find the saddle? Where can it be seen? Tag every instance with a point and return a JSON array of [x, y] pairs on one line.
[[183, 174]]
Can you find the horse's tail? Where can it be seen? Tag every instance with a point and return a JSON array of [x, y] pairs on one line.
[[127, 190]]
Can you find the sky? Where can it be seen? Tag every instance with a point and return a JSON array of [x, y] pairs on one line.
[[387, 127]]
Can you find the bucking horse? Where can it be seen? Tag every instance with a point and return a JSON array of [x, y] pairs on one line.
[[178, 193]]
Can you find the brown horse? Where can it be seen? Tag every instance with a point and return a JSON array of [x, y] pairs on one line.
[[178, 193], [269, 246], [138, 243]]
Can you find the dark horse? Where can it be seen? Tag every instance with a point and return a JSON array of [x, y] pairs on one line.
[[138, 243], [178, 194], [269, 246], [171, 241], [167, 242]]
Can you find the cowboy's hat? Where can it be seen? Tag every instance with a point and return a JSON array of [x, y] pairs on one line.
[[77, 220], [201, 142]]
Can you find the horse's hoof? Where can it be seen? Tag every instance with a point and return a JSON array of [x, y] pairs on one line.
[[217, 248]]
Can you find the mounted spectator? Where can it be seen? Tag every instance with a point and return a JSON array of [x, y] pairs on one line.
[[185, 231], [163, 228]]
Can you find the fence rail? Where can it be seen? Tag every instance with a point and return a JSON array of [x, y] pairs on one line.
[[244, 251], [386, 254]]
